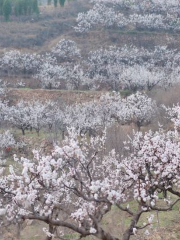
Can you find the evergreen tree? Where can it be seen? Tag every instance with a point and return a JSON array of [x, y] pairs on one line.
[[24, 7], [29, 6], [62, 2], [1, 6], [7, 9], [18, 8], [55, 3], [35, 7]]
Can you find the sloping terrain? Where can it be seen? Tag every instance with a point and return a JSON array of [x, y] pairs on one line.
[[67, 97], [42, 33]]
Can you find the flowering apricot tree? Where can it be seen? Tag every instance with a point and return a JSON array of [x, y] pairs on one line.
[[131, 68], [77, 185], [96, 115], [30, 115], [20, 63], [66, 50], [153, 15]]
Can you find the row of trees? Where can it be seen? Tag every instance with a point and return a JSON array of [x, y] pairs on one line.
[[23, 7], [74, 188], [91, 117], [113, 68], [18, 8], [76, 185], [153, 15], [61, 2]]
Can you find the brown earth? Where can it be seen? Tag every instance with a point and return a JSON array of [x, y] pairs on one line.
[[42, 33], [67, 97]]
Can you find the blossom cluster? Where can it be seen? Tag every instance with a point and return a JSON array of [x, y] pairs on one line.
[[153, 15]]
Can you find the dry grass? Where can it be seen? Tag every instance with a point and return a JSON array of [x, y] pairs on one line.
[[53, 24], [166, 226], [40, 36], [62, 96]]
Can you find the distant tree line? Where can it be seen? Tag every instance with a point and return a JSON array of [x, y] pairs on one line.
[[24, 7], [18, 8], [61, 2]]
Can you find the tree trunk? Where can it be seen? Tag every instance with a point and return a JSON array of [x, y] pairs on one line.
[[23, 131], [101, 234], [127, 235], [63, 134], [37, 130], [19, 228], [129, 231], [51, 230]]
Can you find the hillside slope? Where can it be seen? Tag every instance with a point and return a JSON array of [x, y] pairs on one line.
[[42, 33]]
